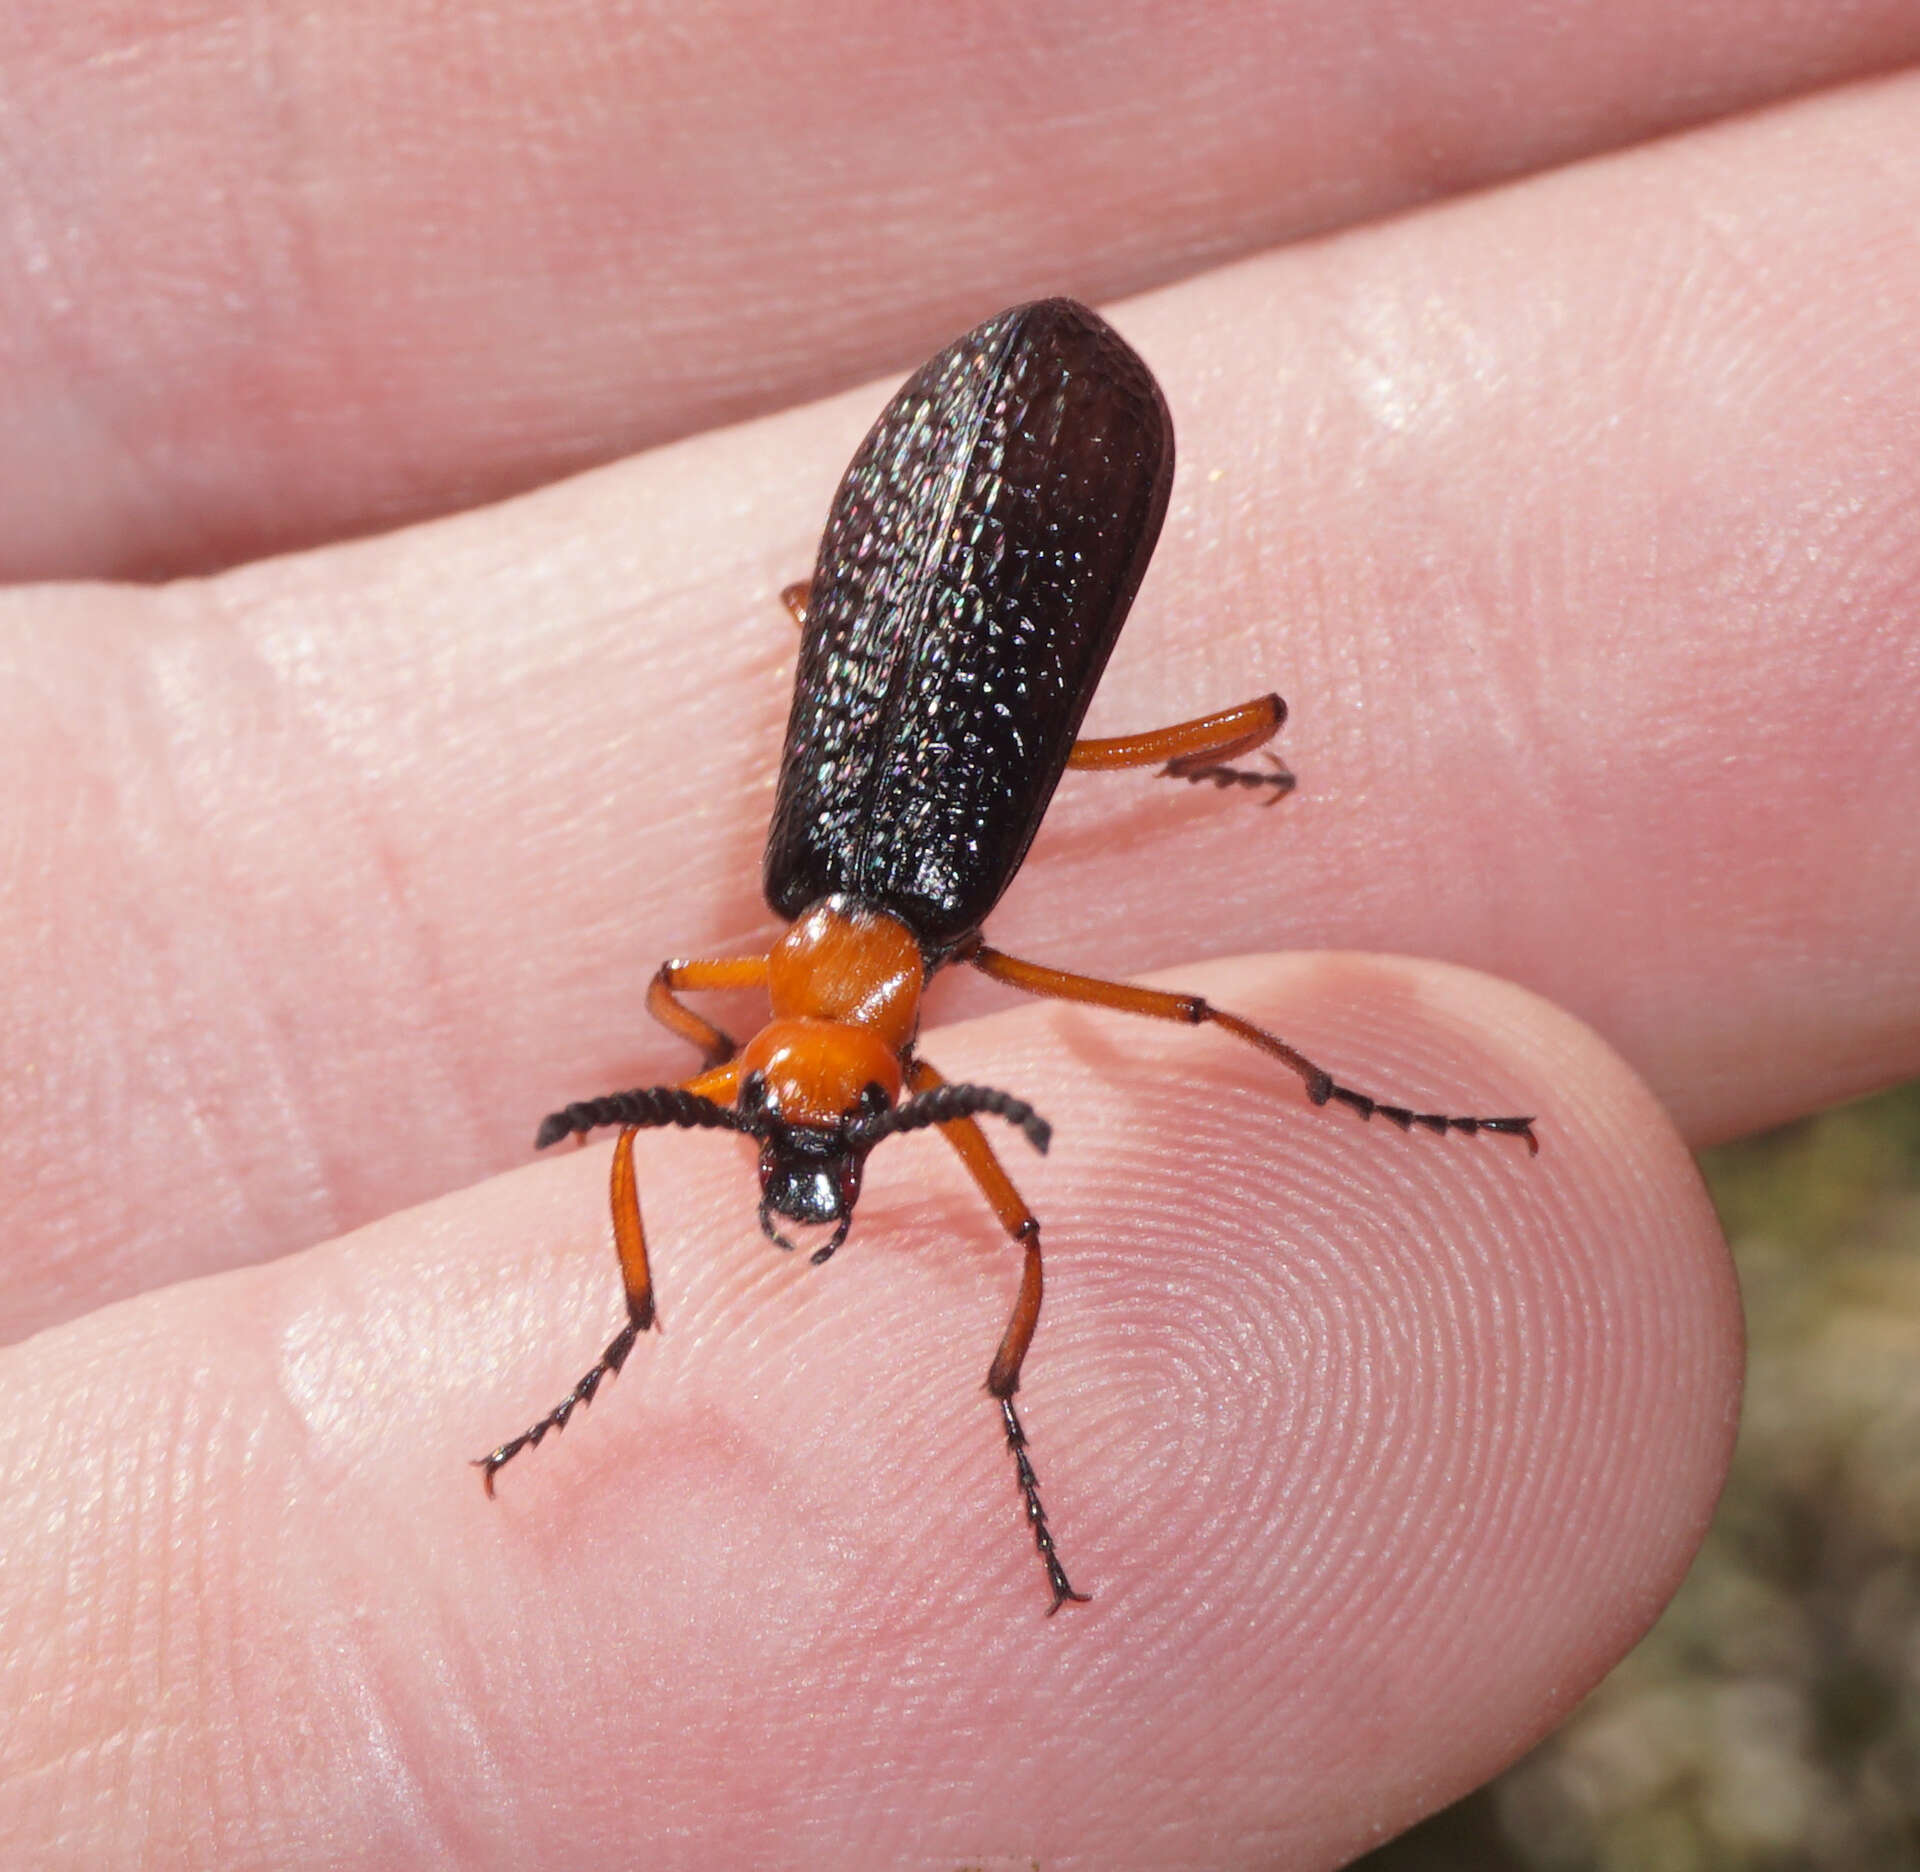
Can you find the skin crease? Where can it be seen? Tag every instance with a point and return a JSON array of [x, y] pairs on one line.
[[1573, 520]]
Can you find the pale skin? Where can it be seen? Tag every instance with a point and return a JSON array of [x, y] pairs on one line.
[[1573, 520]]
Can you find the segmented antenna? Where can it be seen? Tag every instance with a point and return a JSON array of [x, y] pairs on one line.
[[650, 1108], [944, 1103]]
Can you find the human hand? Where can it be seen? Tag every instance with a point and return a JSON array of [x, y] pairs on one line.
[[1567, 519]]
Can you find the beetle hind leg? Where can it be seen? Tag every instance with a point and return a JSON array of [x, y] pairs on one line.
[[1202, 751], [1276, 779]]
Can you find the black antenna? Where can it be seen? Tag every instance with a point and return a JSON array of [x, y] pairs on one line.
[[941, 1105], [650, 1107]]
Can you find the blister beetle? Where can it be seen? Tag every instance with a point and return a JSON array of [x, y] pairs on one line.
[[979, 560]]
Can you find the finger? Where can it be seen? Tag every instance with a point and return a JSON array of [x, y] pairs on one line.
[[275, 283], [1374, 1451], [329, 878]]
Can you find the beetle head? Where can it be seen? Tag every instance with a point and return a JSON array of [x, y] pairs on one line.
[[809, 1171], [819, 1096]]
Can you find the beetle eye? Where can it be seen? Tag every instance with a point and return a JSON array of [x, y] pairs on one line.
[[753, 1092], [873, 1100]]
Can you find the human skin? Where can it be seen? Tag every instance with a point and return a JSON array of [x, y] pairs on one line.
[[1574, 519]]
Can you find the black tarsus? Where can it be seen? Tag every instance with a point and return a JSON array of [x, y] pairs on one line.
[[556, 1419], [1327, 1089], [1037, 1515], [1279, 781]]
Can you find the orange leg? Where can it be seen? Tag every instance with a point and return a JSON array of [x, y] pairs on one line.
[[672, 978], [1200, 750], [1033, 978], [636, 1276], [795, 598], [1003, 1376]]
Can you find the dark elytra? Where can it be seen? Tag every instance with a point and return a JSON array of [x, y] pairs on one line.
[[980, 558]]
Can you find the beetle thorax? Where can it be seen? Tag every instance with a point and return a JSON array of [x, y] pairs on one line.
[[845, 961], [844, 988]]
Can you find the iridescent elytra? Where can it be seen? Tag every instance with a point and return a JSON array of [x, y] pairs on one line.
[[979, 559]]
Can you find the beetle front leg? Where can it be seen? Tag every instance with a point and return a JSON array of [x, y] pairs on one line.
[[692, 1105], [970, 1145], [630, 1239]]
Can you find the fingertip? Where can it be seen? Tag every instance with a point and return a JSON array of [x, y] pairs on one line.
[[1387, 1442]]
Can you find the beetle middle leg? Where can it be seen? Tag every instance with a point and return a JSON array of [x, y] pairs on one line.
[[1003, 1376], [1158, 1004], [1200, 750], [672, 979]]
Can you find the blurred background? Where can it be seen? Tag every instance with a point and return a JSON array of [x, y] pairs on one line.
[[1771, 1720]]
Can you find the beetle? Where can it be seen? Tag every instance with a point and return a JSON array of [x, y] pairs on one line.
[[979, 559]]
